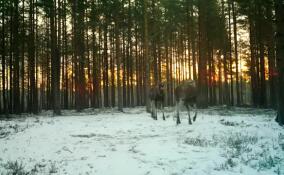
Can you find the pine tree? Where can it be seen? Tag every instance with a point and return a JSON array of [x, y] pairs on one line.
[[279, 13]]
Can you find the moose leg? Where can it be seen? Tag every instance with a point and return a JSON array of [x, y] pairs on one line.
[[156, 114], [188, 112], [195, 115], [177, 109], [157, 110], [162, 106], [152, 109]]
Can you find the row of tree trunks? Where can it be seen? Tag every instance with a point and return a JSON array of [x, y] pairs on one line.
[[114, 51]]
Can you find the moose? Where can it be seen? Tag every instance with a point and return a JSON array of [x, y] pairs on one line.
[[186, 93], [156, 96]]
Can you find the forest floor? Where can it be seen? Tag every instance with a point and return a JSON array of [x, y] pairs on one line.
[[107, 142]]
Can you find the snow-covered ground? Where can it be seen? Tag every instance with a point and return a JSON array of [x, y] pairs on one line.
[[107, 142]]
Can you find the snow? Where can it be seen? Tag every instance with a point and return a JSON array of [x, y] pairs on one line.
[[107, 142]]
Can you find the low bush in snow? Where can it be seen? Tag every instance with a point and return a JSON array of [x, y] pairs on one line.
[[52, 168], [240, 143], [202, 142], [228, 164], [281, 141], [242, 148], [228, 123], [15, 168]]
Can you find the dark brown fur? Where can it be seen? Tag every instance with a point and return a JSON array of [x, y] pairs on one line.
[[186, 93], [157, 95]]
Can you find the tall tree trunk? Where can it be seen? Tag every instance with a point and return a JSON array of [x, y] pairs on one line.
[[137, 68], [260, 36], [16, 88], [271, 57], [226, 94], [124, 78], [105, 70], [10, 73], [279, 13], [230, 56], [203, 57], [220, 88], [3, 55], [66, 80], [112, 68], [189, 38], [167, 70], [88, 64], [236, 53], [23, 38], [79, 9], [146, 55], [55, 62], [99, 70], [95, 71], [33, 88], [129, 55], [253, 58], [193, 38], [118, 64]]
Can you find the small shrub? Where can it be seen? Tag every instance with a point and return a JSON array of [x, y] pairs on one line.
[[281, 141], [228, 123], [228, 164], [267, 162], [15, 168], [282, 146], [197, 142], [278, 171], [53, 168], [241, 143]]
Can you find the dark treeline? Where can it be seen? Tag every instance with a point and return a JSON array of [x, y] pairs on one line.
[[63, 54]]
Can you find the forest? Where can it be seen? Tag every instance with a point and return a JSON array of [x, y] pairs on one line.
[[61, 54], [79, 80]]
